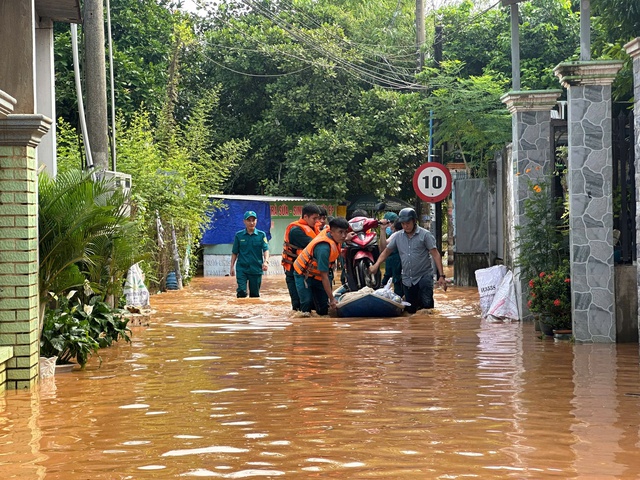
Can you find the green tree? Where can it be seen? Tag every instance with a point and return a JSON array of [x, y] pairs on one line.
[[549, 34], [141, 55], [616, 22], [472, 119]]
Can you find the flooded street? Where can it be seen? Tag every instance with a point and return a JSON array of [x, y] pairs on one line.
[[219, 387]]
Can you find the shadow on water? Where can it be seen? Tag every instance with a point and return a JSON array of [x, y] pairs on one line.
[[218, 387]]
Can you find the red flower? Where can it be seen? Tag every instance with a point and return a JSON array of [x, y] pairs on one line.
[[529, 304], [530, 283], [567, 280], [542, 274], [556, 302]]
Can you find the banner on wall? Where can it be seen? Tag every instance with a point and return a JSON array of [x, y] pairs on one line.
[[226, 222]]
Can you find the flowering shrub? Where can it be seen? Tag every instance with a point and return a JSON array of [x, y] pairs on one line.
[[543, 240], [550, 295]]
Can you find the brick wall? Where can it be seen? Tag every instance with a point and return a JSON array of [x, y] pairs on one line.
[[19, 264]]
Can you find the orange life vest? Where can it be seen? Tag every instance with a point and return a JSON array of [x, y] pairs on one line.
[[319, 227], [307, 265], [290, 252]]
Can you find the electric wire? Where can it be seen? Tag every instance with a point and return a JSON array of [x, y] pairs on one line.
[[264, 75], [368, 62], [360, 72], [382, 73], [292, 34]]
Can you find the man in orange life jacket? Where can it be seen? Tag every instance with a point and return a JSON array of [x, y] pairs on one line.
[[297, 236], [322, 220], [314, 263]]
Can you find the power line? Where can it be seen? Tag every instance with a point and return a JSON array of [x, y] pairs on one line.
[[357, 71], [265, 75], [382, 73]]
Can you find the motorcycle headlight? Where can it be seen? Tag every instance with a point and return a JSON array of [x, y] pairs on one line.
[[357, 226]]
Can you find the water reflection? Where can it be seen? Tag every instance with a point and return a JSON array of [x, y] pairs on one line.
[[223, 388]]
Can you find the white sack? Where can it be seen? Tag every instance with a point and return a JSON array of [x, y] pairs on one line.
[[504, 305], [488, 280], [135, 291]]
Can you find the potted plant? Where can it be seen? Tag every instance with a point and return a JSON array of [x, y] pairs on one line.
[[550, 296], [543, 256]]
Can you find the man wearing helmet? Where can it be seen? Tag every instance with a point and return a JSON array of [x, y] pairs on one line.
[[416, 247]]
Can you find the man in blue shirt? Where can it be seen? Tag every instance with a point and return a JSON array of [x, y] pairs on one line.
[[416, 247], [251, 252]]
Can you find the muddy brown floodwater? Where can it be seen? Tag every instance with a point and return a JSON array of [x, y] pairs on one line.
[[223, 388]]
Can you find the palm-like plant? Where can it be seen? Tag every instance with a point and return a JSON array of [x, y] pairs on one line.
[[78, 217]]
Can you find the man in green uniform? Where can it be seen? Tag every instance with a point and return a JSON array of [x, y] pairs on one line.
[[251, 251]]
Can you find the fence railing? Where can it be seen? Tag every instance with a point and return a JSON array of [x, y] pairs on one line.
[[623, 185]]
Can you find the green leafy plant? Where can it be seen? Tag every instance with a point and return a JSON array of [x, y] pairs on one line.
[[81, 223], [106, 325], [550, 296], [75, 330], [65, 335]]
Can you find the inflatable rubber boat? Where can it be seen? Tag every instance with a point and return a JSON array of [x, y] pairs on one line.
[[368, 305]]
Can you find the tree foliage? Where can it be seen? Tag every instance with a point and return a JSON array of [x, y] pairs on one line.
[[472, 119], [312, 97]]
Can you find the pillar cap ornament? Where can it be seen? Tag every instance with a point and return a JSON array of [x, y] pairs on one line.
[[593, 72], [530, 100], [633, 47], [7, 102], [22, 130]]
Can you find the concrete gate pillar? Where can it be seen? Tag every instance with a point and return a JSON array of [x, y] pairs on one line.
[[19, 324], [531, 160], [633, 49], [590, 197]]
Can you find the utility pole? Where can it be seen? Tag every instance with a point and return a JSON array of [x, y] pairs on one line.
[[515, 43], [420, 32], [437, 57], [96, 83], [585, 30]]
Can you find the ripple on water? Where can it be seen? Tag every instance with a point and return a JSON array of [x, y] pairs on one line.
[[200, 451], [240, 474], [203, 357]]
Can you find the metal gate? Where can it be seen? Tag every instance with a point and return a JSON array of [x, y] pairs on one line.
[[624, 192]]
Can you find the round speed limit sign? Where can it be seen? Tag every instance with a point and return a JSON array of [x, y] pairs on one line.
[[432, 182]]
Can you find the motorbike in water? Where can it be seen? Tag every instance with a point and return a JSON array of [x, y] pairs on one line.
[[360, 253]]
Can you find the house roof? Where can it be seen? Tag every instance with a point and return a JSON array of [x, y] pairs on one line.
[[266, 198], [60, 10]]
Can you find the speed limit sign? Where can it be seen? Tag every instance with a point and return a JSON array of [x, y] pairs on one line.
[[432, 182]]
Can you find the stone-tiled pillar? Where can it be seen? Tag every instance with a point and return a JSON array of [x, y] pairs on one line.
[[19, 136], [633, 49], [531, 160], [590, 197]]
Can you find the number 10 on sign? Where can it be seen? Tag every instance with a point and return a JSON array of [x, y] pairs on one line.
[[432, 182]]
